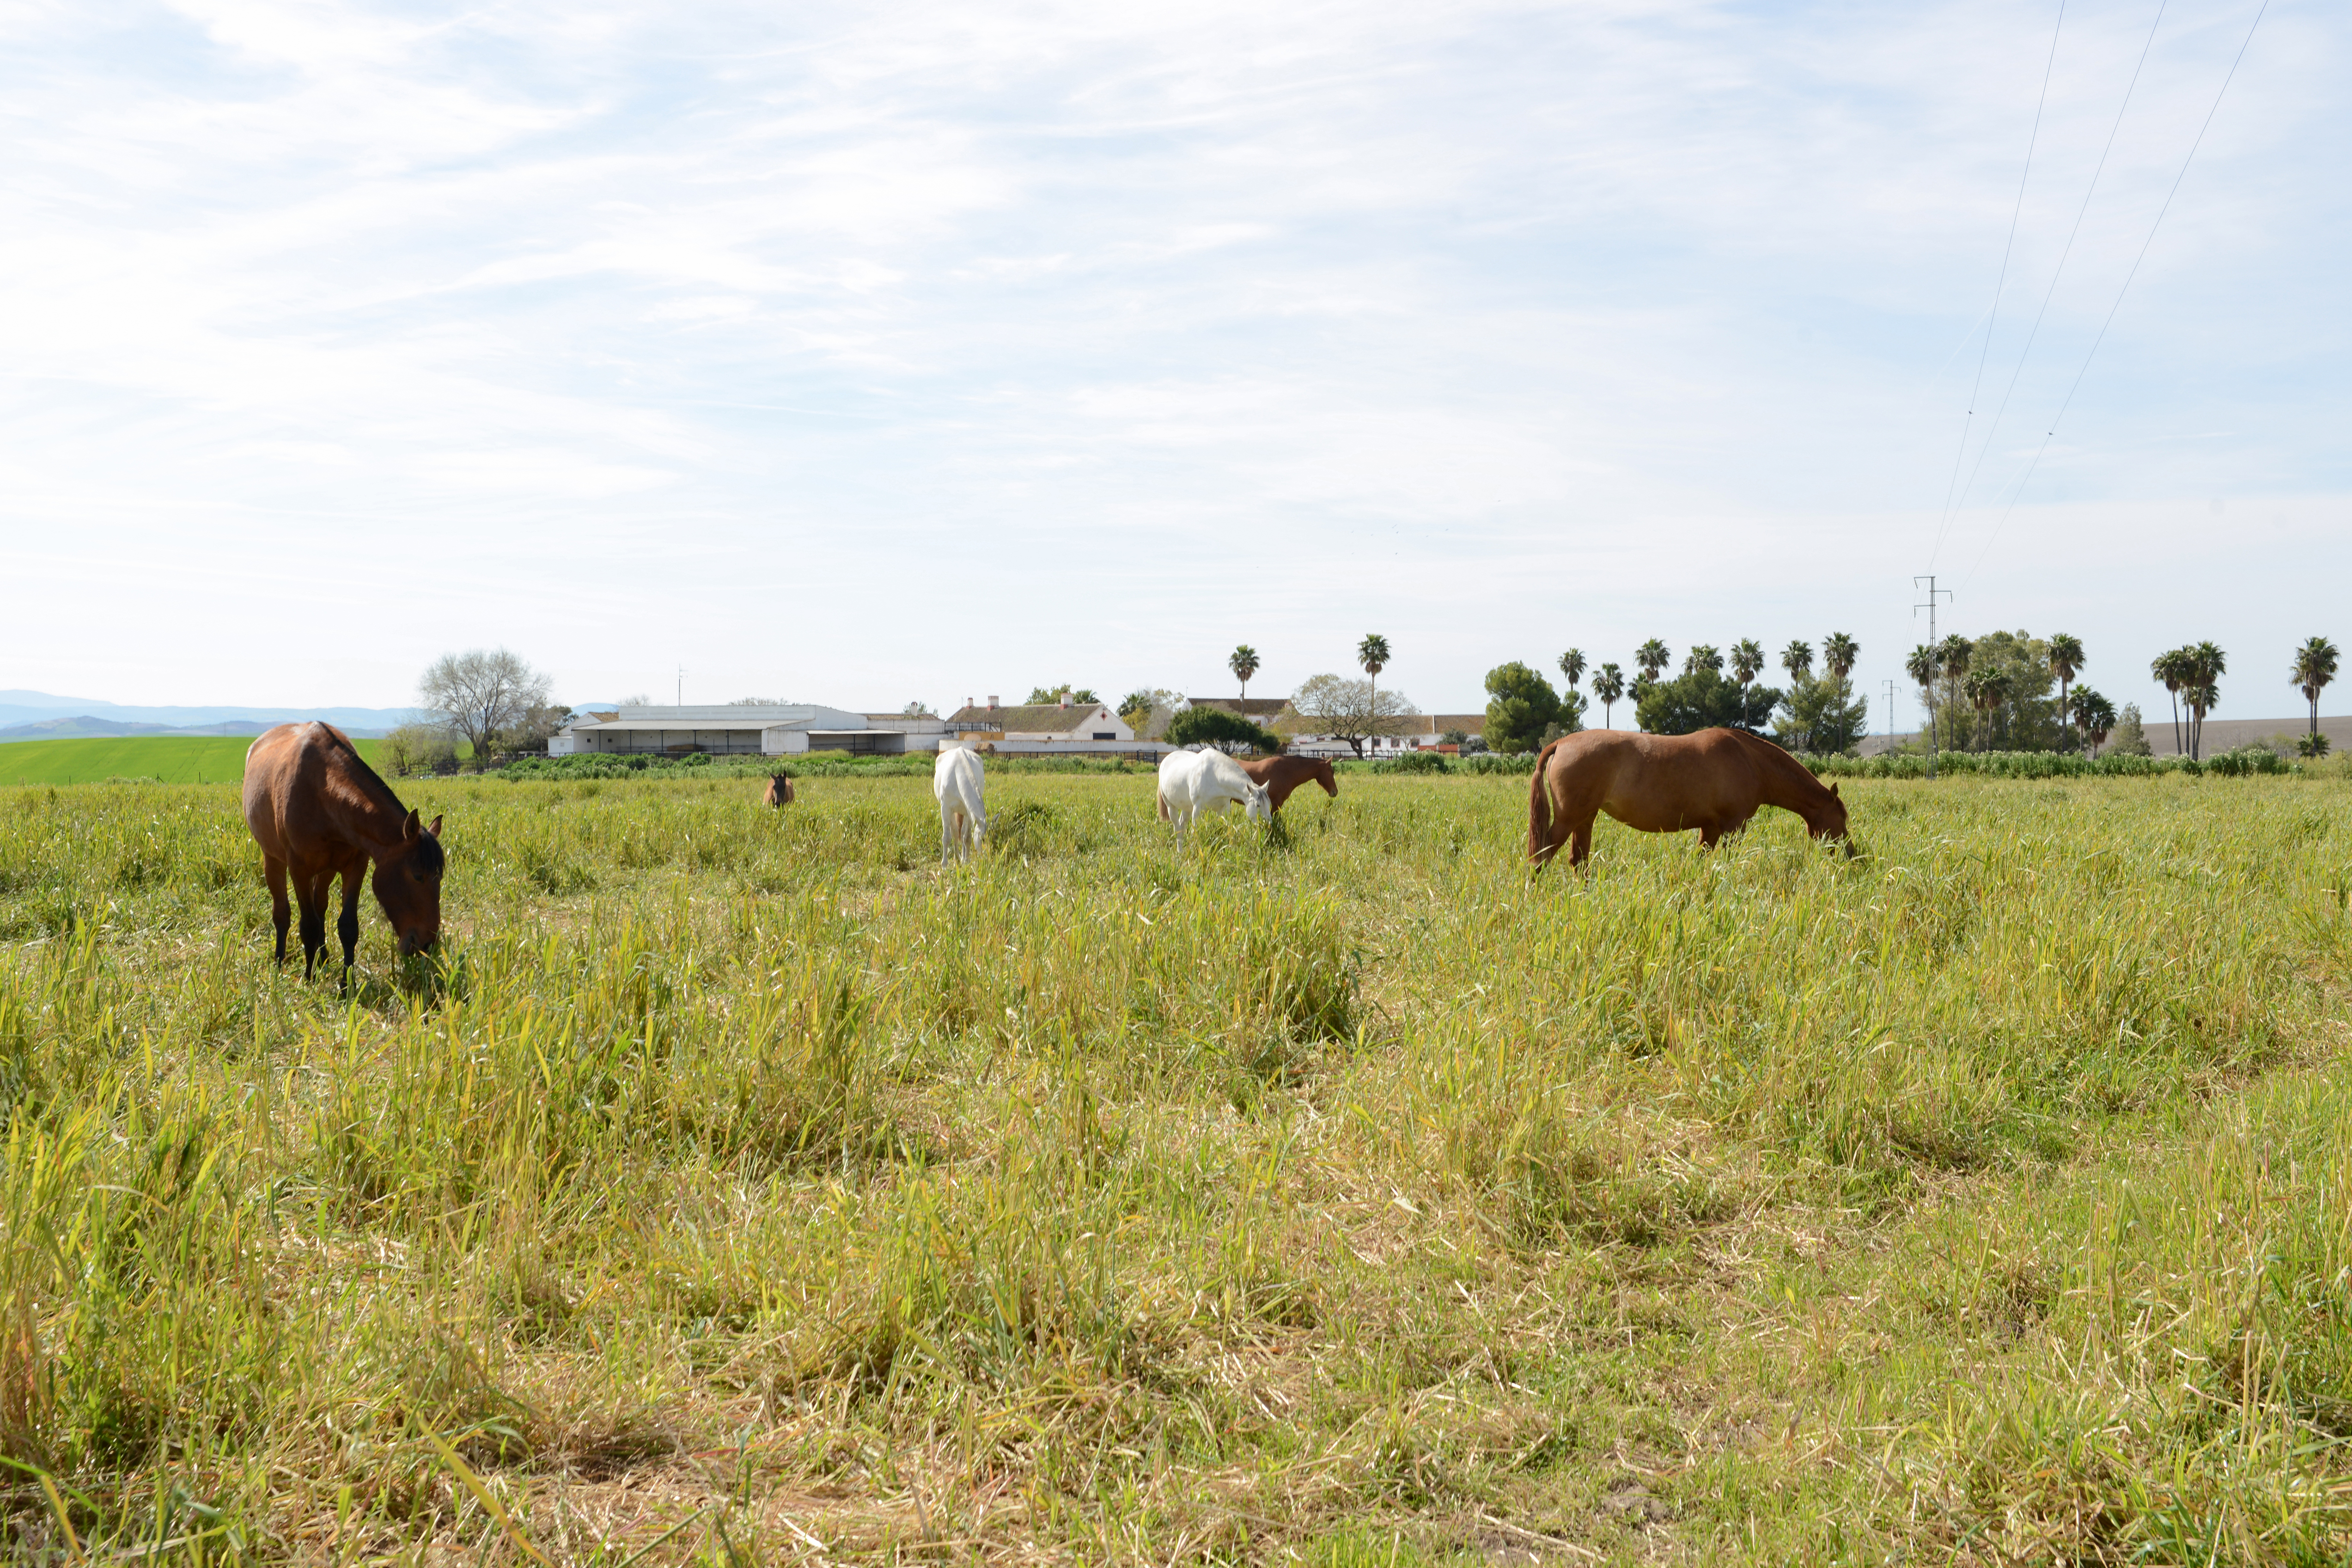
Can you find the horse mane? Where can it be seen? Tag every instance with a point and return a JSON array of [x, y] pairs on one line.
[[426, 853], [1781, 761]]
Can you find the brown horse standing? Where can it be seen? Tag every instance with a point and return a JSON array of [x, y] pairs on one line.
[[319, 812], [1713, 782], [1281, 775], [780, 790]]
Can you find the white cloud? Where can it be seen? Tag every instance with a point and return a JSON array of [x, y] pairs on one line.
[[1509, 324]]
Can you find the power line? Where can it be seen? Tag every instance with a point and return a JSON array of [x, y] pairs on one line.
[[2019, 492], [2072, 235], [2000, 283]]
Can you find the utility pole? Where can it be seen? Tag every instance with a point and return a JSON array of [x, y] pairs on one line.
[[1890, 714], [1928, 604], [681, 686]]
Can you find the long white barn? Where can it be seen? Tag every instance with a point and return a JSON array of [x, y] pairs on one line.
[[780, 729]]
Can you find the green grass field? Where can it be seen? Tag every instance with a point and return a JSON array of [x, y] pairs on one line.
[[739, 1187], [168, 758]]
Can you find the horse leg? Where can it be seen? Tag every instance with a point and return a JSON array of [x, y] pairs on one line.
[[311, 894], [1579, 843], [281, 914], [947, 834], [347, 925]]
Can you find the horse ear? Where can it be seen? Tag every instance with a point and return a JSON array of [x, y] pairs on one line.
[[1832, 791], [409, 829], [435, 828]]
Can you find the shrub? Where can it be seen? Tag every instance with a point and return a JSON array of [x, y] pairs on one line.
[[417, 748], [1215, 726]]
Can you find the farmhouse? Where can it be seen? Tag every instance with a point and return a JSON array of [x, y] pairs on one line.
[[1061, 727], [779, 729]]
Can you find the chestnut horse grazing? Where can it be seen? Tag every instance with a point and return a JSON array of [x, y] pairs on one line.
[[1281, 775], [780, 790], [1713, 782], [319, 812]]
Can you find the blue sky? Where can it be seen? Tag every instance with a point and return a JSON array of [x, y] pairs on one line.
[[861, 353]]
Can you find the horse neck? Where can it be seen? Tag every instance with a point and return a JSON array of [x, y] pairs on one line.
[[1787, 782], [378, 823]]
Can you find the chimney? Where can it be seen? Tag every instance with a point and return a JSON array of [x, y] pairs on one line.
[[967, 702], [1066, 699], [992, 700]]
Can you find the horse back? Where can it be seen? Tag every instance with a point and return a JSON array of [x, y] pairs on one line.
[[290, 777]]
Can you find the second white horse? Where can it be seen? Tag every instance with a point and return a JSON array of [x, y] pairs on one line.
[[1194, 784], [961, 787]]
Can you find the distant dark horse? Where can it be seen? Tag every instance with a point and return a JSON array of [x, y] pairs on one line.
[[1281, 775], [1712, 782], [319, 812], [780, 790]]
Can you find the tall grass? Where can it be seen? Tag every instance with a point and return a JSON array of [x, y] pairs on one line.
[[738, 1184]]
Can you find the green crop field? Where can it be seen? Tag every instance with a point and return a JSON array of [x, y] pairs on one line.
[[737, 1187], [168, 758]]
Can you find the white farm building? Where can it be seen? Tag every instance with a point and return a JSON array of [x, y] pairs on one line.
[[780, 729]]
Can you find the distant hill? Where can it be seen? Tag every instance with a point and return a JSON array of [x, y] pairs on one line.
[[23, 713]]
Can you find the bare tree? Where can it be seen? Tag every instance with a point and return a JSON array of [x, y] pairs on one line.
[[483, 692], [1345, 709]]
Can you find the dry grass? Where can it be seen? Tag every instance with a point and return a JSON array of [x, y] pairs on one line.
[[742, 1187]]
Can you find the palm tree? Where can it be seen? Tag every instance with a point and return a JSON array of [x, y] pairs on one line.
[[2314, 667], [1653, 657], [1797, 658], [2066, 660], [1952, 655], [1372, 653], [1571, 664], [2095, 717], [1747, 663], [2171, 667], [1702, 656], [1608, 684], [1921, 667], [1838, 653], [1987, 690], [2207, 665], [1242, 663]]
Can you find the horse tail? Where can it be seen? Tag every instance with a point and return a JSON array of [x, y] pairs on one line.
[[1164, 808], [1539, 808]]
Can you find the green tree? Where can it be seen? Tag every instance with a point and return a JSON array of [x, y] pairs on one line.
[[1215, 726], [1136, 709], [1747, 663], [2171, 667], [1797, 658], [1372, 653], [1702, 656], [1571, 667], [2130, 736], [1952, 656], [1608, 684], [1817, 716], [1839, 653], [1653, 657], [2093, 717], [1242, 663], [2314, 668], [1520, 707], [1041, 696], [1701, 699], [2066, 661], [2202, 692], [1921, 666]]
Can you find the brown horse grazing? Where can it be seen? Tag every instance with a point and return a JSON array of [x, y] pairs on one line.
[[1713, 782], [319, 812], [780, 790], [1281, 775]]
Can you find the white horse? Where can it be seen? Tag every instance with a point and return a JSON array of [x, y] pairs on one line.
[[960, 786], [1194, 784]]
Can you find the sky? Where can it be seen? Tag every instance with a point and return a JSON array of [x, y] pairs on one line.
[[862, 354]]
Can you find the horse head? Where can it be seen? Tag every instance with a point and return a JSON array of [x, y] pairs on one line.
[[1829, 822], [1323, 776], [1257, 802], [408, 883]]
